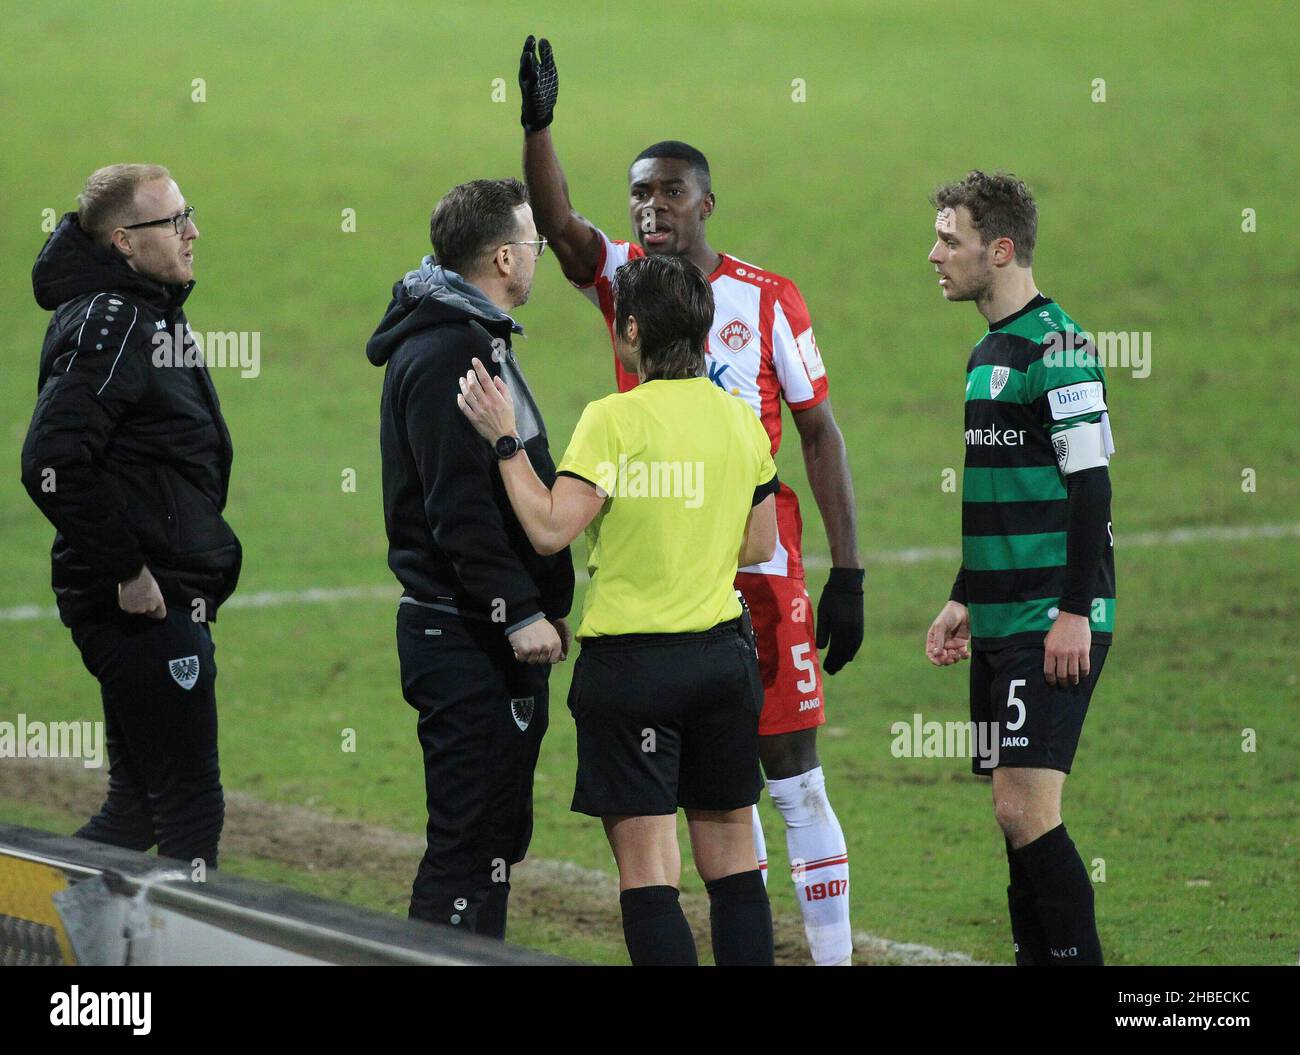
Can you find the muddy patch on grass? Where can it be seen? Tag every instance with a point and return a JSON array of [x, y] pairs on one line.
[[556, 894]]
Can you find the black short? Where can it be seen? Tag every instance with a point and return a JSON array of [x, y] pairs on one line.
[[1036, 724], [666, 720]]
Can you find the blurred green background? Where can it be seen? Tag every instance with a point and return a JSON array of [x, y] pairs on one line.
[[312, 109]]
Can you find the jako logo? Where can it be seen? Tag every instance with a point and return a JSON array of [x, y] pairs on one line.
[[810, 704], [102, 1009]]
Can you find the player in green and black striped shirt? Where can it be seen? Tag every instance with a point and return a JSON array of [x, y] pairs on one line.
[[1035, 596]]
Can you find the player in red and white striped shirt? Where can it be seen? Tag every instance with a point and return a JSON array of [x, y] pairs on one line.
[[761, 349]]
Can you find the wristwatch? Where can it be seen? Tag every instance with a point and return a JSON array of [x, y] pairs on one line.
[[508, 447]]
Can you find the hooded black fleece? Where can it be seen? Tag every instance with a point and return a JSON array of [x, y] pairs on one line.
[[129, 460], [453, 540]]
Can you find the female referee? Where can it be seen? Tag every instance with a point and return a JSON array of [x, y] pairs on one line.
[[673, 483]]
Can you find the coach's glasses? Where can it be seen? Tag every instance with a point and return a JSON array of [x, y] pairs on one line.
[[540, 243], [180, 222]]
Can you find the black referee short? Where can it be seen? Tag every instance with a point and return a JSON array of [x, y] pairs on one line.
[[1038, 724], [666, 720]]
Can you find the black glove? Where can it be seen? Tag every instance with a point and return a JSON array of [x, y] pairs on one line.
[[539, 84], [839, 617]]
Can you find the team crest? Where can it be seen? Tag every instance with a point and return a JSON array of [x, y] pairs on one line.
[[736, 335], [521, 709], [1062, 446], [184, 671], [998, 380]]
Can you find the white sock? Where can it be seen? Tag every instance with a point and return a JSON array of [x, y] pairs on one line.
[[760, 845], [819, 864]]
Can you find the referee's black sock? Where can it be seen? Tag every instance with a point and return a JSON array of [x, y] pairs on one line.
[[655, 929], [1026, 931], [1064, 897], [740, 918]]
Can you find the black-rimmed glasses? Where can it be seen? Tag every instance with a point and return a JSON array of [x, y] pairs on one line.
[[180, 222]]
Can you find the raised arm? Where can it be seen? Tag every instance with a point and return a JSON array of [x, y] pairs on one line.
[[576, 241]]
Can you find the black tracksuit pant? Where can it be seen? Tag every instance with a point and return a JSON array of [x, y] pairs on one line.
[[482, 716], [157, 679]]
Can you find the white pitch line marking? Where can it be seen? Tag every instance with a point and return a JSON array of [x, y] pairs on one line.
[[24, 613]]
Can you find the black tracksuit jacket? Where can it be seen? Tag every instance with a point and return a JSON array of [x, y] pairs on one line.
[[130, 461], [453, 539]]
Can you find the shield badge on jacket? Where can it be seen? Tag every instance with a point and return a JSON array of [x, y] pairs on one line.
[[184, 671], [521, 709], [998, 380]]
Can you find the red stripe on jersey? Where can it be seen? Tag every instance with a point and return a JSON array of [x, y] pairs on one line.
[[796, 314], [769, 386], [622, 379], [807, 404], [752, 272], [794, 328]]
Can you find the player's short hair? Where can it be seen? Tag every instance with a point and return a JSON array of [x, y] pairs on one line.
[[673, 305], [675, 148], [1000, 205], [108, 198], [473, 219]]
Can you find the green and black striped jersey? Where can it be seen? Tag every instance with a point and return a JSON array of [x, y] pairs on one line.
[[1034, 386]]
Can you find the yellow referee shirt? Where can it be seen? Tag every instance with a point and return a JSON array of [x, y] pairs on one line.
[[681, 461]]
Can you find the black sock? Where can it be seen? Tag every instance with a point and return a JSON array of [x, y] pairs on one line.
[[1026, 931], [740, 918], [655, 929], [1064, 899]]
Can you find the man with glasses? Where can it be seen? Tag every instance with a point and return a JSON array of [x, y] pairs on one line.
[[481, 617], [131, 464]]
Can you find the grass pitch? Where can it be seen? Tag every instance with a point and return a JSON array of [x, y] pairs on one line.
[[310, 110]]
